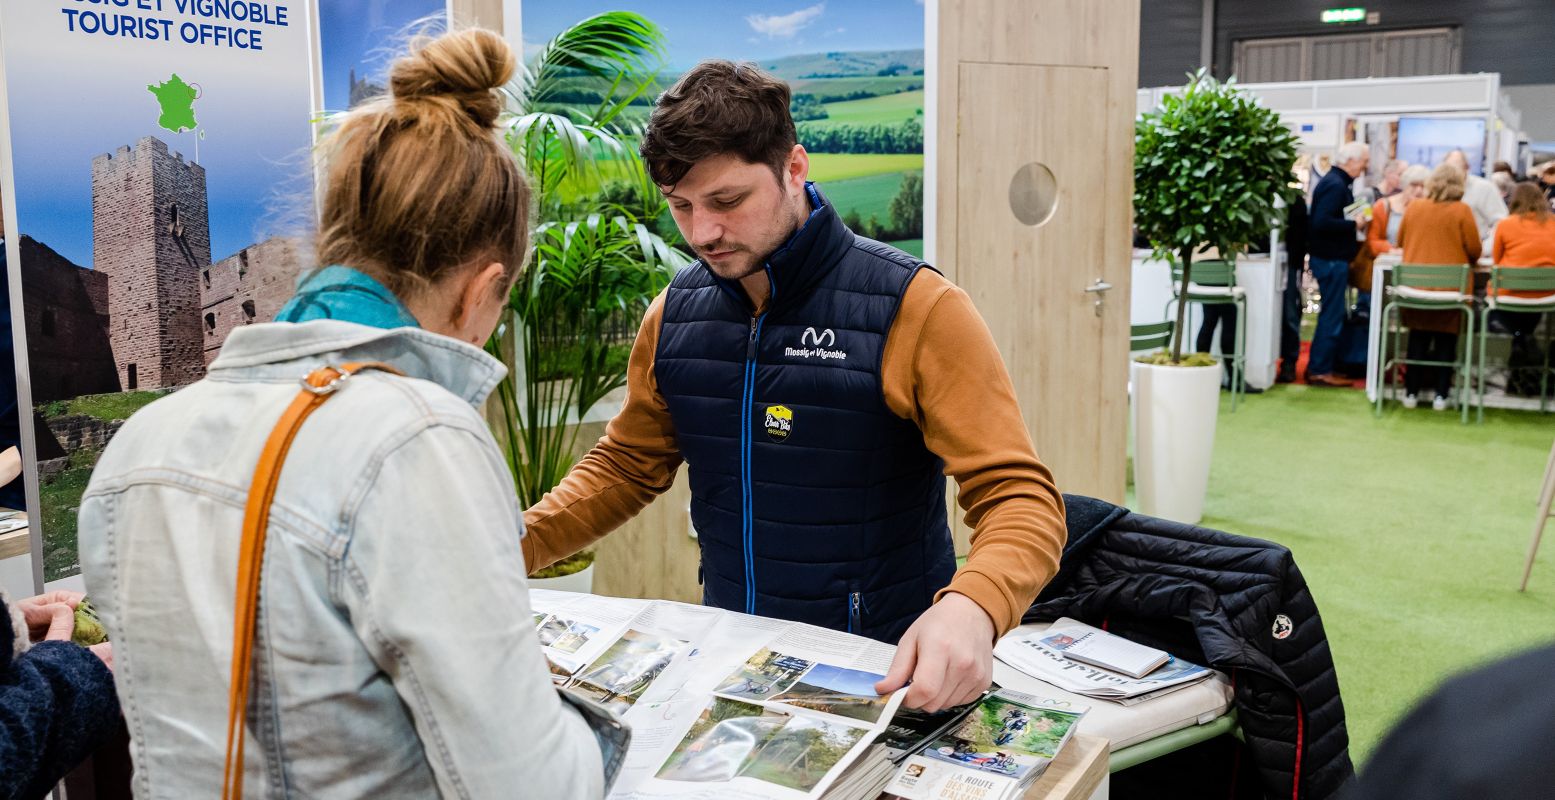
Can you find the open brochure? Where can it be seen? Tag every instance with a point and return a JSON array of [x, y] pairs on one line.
[[725, 705], [1041, 656], [997, 752]]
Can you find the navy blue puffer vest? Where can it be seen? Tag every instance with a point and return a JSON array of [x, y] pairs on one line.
[[812, 501]]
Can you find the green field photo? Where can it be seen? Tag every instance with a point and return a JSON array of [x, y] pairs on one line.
[[885, 110]]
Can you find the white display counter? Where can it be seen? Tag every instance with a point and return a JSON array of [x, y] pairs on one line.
[[1262, 278]]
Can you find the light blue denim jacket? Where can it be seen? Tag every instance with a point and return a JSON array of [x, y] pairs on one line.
[[396, 655]]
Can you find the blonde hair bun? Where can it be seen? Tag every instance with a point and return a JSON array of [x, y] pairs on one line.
[[463, 68]]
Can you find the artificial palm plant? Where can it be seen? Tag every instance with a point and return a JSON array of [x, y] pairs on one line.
[[597, 262]]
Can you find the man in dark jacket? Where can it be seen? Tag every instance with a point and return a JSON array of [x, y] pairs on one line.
[[1332, 242], [819, 386], [1484, 734]]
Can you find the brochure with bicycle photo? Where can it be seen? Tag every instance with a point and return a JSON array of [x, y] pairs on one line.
[[999, 750]]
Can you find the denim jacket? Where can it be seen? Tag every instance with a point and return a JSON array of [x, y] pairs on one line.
[[396, 654]]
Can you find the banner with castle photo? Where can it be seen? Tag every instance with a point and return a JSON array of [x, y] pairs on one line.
[[161, 154], [856, 71]]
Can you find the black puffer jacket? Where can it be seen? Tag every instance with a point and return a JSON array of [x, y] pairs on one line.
[[1238, 604]]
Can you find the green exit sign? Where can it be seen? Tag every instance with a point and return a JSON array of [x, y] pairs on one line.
[[1344, 15]]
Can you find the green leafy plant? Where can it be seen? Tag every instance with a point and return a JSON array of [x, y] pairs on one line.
[[598, 260], [1208, 165]]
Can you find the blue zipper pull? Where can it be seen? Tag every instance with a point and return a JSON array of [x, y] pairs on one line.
[[750, 344], [855, 616]]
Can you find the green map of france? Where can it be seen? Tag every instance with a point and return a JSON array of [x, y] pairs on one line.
[[177, 101]]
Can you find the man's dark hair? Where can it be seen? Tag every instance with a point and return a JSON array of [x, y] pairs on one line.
[[719, 107]]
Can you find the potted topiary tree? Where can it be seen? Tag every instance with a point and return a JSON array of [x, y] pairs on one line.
[[1209, 165]]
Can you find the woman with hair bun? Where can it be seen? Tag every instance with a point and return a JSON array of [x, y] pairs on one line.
[[394, 652]]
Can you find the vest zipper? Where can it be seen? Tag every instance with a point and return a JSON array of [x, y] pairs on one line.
[[855, 612], [749, 521]]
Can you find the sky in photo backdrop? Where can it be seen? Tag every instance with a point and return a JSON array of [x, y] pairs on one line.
[[75, 96]]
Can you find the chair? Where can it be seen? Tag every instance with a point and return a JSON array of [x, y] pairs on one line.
[[1546, 496], [1540, 279], [1150, 336], [1213, 282], [1419, 286]]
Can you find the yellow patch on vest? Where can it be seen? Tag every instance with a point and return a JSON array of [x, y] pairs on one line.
[[780, 421]]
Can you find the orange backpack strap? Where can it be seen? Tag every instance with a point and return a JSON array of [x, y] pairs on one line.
[[318, 387]]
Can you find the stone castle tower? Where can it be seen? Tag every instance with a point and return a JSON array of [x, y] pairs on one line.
[[151, 237]]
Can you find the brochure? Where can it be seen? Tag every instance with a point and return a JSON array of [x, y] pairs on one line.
[[1101, 649], [1033, 656], [725, 705], [996, 753]]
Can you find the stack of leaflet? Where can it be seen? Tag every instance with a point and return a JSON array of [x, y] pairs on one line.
[[1089, 661], [865, 778], [997, 751]]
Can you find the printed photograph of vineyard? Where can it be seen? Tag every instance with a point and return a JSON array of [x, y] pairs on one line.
[[857, 75]]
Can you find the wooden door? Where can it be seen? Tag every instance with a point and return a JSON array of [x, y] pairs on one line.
[[1026, 134]]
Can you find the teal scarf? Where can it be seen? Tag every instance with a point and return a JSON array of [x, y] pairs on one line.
[[347, 295]]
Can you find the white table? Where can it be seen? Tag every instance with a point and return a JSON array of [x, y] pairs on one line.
[[1260, 276]]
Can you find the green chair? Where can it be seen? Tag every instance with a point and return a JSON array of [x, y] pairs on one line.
[[1214, 283], [1150, 336], [1537, 279], [1419, 286]]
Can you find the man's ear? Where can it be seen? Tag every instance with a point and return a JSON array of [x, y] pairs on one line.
[[798, 169]]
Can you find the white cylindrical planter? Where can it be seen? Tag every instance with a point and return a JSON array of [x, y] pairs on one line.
[[1174, 435], [580, 581]]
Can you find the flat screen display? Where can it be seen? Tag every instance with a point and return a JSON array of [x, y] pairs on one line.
[[1427, 140]]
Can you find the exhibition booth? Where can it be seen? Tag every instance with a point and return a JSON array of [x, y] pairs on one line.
[[173, 202]]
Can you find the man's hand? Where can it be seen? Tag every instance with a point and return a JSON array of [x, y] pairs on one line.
[[947, 654], [52, 616]]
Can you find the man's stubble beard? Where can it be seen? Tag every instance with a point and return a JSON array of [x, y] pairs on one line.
[[755, 263]]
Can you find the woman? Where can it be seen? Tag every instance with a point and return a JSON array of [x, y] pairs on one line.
[[1382, 234], [1437, 229], [1525, 238], [57, 701], [395, 653]]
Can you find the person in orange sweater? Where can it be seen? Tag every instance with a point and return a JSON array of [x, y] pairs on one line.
[[818, 386], [1387, 215], [1437, 229], [1525, 238]]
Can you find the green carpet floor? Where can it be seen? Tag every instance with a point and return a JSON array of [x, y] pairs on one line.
[[1410, 529]]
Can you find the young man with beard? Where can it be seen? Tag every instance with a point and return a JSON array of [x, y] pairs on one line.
[[819, 386]]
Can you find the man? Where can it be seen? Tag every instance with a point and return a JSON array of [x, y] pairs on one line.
[[1481, 196], [1332, 240], [1391, 172], [819, 386]]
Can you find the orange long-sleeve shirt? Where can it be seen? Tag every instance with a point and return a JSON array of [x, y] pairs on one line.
[[941, 369]]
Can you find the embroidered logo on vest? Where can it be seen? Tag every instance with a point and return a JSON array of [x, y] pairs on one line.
[[813, 345], [1283, 627], [779, 422]]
